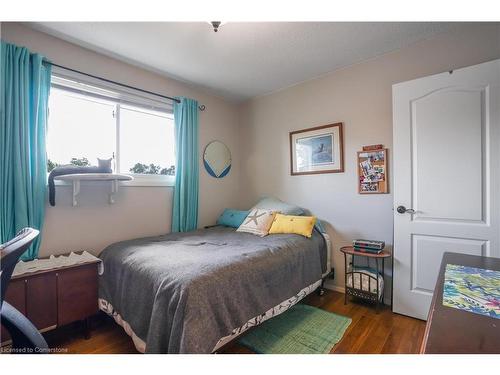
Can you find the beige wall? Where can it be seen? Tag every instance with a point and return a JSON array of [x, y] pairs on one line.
[[360, 97], [257, 134], [138, 211]]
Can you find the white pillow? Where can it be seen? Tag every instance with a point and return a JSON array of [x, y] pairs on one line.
[[258, 222], [271, 203]]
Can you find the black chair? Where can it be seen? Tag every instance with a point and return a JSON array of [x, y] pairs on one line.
[[25, 336]]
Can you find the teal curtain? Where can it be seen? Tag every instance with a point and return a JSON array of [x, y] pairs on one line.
[[185, 207], [24, 86]]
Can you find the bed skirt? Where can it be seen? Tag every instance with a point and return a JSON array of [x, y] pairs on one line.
[[255, 321]]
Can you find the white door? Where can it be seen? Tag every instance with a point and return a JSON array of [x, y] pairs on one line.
[[446, 177]]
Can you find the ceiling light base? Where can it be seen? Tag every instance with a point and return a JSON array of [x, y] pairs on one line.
[[215, 25]]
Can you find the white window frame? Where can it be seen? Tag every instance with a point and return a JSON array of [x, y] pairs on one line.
[[88, 86]]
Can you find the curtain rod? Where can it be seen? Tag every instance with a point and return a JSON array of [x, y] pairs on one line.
[[200, 107]]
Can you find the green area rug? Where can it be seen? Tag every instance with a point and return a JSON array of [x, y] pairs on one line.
[[303, 329]]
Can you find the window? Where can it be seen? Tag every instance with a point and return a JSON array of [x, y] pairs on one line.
[[146, 141], [86, 122], [79, 128]]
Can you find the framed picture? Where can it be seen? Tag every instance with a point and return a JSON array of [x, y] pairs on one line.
[[317, 150], [372, 170]]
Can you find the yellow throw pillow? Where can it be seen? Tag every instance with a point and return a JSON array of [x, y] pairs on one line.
[[302, 225]]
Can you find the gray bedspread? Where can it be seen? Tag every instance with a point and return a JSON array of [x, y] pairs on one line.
[[182, 292]]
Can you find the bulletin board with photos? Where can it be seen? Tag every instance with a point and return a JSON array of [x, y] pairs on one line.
[[372, 170]]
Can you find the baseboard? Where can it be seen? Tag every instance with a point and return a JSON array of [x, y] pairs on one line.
[[335, 288], [329, 284]]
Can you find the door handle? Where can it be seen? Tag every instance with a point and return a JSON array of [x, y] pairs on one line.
[[404, 210]]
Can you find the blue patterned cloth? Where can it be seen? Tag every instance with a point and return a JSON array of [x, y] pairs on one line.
[[471, 289]]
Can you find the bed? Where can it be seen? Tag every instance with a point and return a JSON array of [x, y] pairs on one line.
[[194, 292]]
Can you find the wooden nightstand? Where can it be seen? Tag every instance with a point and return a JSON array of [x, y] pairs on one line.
[[360, 274], [55, 297]]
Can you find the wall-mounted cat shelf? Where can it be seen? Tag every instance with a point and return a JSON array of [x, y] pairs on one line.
[[114, 178]]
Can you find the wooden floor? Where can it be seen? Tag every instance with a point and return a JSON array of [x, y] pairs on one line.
[[369, 332]]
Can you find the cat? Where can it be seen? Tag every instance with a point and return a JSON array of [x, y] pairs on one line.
[[103, 166]]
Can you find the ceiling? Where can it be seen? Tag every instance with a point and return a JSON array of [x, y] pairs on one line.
[[242, 60]]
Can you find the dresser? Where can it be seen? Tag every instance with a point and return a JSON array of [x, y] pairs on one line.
[[451, 330], [55, 297]]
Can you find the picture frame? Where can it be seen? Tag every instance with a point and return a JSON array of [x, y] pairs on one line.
[[317, 150], [372, 170]]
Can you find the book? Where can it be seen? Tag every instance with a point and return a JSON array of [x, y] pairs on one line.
[[367, 250], [369, 244]]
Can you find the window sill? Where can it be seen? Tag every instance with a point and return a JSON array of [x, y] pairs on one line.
[[150, 181], [138, 181]]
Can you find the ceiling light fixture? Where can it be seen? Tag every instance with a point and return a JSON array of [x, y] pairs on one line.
[[216, 25]]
